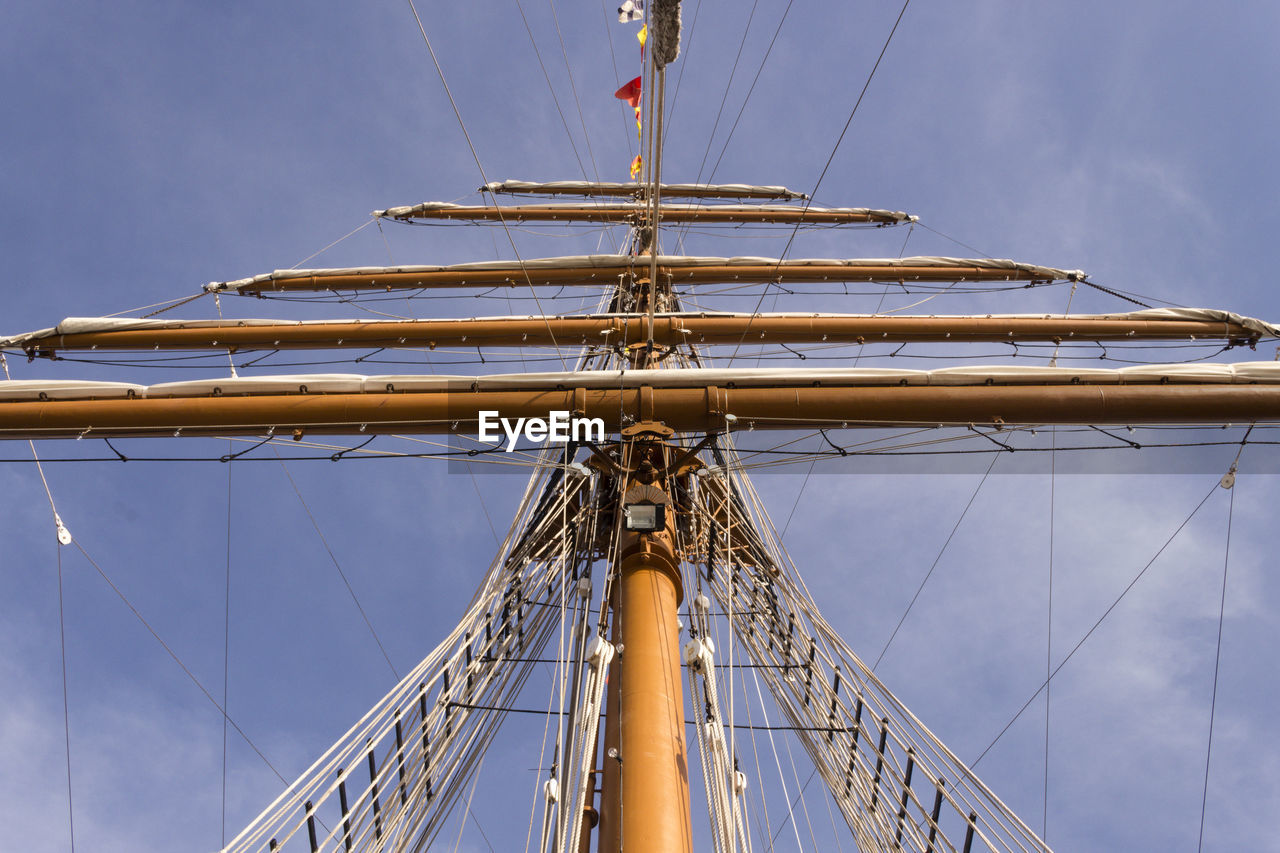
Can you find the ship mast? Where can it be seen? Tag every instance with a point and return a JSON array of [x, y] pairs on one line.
[[645, 783], [663, 421]]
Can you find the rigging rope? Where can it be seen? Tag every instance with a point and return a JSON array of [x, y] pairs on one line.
[[865, 86], [586, 136], [563, 121], [1095, 625], [688, 47], [1228, 482], [1048, 642], [790, 812], [63, 539], [835, 734], [919, 589], [475, 673], [733, 71], [475, 156], [226, 658], [66, 707], [181, 665], [350, 233], [764, 59], [334, 559]]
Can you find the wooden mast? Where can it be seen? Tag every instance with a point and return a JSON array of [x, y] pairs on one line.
[[648, 790], [645, 802], [645, 794]]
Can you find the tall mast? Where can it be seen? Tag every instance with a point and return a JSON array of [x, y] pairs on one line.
[[649, 786], [658, 76], [640, 487]]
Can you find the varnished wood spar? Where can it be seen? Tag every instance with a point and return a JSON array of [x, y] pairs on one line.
[[652, 758], [668, 331], [671, 270], [633, 190], [683, 409], [655, 769], [728, 214]]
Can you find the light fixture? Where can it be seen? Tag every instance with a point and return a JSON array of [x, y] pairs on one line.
[[645, 517]]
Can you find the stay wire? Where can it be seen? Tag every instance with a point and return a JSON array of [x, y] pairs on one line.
[[1217, 657], [804, 804], [462, 824], [762, 831], [555, 100], [856, 358], [792, 806], [711, 177], [687, 48], [994, 458], [476, 821], [1089, 633], [350, 233], [1048, 631], [777, 762], [835, 148], [226, 653], [727, 86], [333, 558], [1048, 651], [865, 86], [172, 654], [799, 494], [483, 177], [66, 705], [62, 625], [483, 507], [573, 87], [960, 243], [167, 305]]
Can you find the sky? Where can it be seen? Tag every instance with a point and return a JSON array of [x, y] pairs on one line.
[[150, 148]]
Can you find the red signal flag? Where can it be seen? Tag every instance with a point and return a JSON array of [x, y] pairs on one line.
[[630, 93]]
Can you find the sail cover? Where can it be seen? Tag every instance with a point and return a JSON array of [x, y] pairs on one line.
[[593, 269], [755, 212], [97, 325], [610, 188], [1244, 373]]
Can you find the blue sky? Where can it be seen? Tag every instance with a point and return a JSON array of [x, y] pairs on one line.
[[150, 148]]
